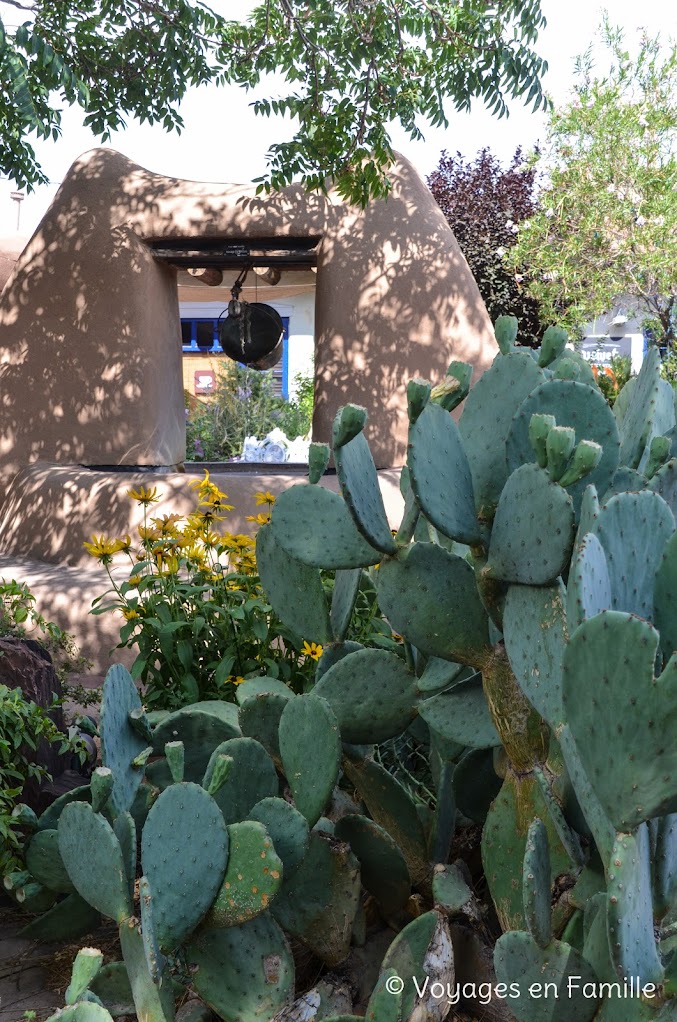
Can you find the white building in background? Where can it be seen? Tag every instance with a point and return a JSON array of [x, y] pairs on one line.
[[618, 332], [200, 308]]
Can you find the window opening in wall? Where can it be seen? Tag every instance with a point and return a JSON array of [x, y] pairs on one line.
[[202, 336]]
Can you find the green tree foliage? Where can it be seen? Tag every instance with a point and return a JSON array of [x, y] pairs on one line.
[[484, 204], [350, 67], [607, 224]]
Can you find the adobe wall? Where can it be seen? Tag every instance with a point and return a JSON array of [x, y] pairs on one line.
[[90, 359]]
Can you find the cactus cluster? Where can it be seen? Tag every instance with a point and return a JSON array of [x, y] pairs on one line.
[[534, 581]]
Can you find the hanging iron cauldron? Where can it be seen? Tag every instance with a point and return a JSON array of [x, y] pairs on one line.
[[252, 334]]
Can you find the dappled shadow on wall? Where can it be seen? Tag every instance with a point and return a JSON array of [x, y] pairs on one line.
[[90, 359]]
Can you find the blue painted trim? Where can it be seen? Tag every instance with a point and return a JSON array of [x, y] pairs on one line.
[[285, 358]]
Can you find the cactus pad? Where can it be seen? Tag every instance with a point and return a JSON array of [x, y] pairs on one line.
[[533, 531], [393, 809], [519, 961], [319, 902], [422, 949], [256, 686], [576, 405], [536, 888], [450, 890], [43, 862], [664, 483], [593, 812], [315, 527], [430, 596], [622, 719], [476, 784], [383, 870], [244, 973], [252, 777], [486, 420], [588, 585], [630, 910], [359, 485], [100, 876], [287, 828], [372, 693], [535, 632], [440, 475], [553, 344], [294, 589], [664, 847], [461, 715], [200, 727], [633, 563], [111, 986], [184, 850], [438, 675], [69, 919], [649, 411], [310, 747], [504, 840], [665, 598], [120, 743], [253, 876], [346, 588], [155, 959], [260, 719], [83, 1011]]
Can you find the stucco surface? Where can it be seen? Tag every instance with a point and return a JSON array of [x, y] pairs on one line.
[[90, 353], [89, 324]]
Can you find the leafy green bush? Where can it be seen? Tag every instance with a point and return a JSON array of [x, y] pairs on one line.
[[611, 379], [196, 612], [295, 417], [19, 618], [244, 404], [23, 724]]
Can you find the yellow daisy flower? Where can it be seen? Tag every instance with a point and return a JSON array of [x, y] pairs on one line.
[[167, 525], [264, 497], [144, 495], [235, 679], [129, 614], [261, 519], [312, 649], [148, 535], [102, 548]]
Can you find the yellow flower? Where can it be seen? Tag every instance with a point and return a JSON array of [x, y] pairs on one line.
[[102, 548], [233, 587], [144, 495], [125, 544], [264, 497], [168, 564], [261, 519], [235, 679], [147, 534], [210, 494], [312, 649], [243, 542], [196, 555], [129, 614], [167, 525], [134, 580]]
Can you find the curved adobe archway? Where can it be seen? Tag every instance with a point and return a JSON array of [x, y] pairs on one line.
[[89, 321]]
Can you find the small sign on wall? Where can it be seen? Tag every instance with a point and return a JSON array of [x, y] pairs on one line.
[[205, 381]]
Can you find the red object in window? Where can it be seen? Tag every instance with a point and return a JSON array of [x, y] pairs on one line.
[[205, 381]]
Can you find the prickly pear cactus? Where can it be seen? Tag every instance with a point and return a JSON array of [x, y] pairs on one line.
[[533, 582]]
